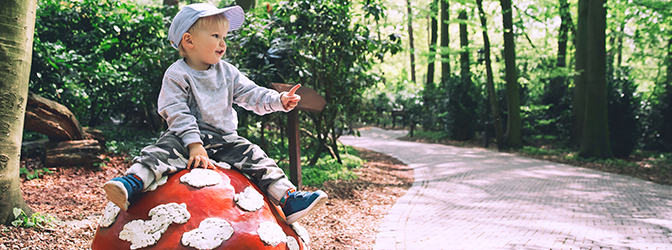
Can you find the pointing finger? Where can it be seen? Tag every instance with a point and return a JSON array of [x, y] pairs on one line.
[[293, 90]]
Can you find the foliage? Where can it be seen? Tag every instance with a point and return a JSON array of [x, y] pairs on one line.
[[35, 174], [315, 43], [124, 139], [101, 59], [21, 219], [623, 113]]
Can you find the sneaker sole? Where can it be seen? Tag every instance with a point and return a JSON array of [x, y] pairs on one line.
[[117, 194], [321, 200]]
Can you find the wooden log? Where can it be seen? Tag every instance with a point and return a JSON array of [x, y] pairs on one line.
[[52, 119], [69, 153]]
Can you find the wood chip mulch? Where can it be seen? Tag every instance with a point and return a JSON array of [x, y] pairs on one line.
[[73, 196]]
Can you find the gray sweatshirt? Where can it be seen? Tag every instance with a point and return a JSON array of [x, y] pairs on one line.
[[190, 99]]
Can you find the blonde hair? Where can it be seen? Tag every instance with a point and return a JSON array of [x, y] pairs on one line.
[[219, 20]]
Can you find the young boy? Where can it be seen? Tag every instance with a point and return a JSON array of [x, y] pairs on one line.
[[196, 100]]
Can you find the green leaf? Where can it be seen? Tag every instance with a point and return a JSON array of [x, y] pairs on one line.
[[17, 211]]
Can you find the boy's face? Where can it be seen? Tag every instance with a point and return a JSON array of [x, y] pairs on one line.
[[208, 46]]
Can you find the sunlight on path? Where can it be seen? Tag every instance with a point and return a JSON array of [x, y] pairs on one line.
[[465, 198]]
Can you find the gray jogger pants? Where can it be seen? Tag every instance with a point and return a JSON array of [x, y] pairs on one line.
[[168, 155]]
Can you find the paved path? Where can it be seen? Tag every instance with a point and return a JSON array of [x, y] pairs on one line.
[[466, 198]]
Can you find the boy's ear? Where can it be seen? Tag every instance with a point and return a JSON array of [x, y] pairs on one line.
[[187, 40]]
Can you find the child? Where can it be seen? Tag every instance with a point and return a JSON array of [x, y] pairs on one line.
[[196, 100]]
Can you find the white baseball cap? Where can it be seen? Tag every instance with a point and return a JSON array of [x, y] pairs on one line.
[[190, 13]]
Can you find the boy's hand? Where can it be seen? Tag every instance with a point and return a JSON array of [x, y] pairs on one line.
[[290, 99], [198, 158]]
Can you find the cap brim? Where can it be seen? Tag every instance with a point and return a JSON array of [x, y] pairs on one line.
[[234, 14]]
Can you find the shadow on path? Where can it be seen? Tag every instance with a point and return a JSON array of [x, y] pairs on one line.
[[466, 198]]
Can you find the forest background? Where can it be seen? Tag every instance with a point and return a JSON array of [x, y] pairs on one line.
[[590, 80]]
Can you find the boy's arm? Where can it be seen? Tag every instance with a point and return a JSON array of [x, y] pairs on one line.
[[173, 107], [252, 97]]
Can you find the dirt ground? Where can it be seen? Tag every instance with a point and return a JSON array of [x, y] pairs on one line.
[[73, 196]]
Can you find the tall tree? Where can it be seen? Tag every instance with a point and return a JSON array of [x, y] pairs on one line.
[[410, 38], [445, 41], [461, 103], [490, 83], [513, 136], [595, 138], [17, 25], [432, 41], [580, 54], [555, 91]]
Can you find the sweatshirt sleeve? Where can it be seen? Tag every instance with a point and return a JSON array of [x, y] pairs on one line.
[[174, 108], [252, 97]]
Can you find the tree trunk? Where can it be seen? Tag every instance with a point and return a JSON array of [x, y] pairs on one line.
[[465, 73], [579, 100], [246, 4], [490, 83], [410, 39], [595, 139], [445, 41], [17, 26], [433, 36], [171, 2], [513, 136]]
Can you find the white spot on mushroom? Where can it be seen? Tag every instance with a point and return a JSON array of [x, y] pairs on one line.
[[157, 183], [143, 233], [200, 177], [292, 244], [301, 231], [271, 233], [109, 215], [249, 200], [210, 233]]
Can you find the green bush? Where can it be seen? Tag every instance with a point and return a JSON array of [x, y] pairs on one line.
[[101, 59], [623, 113]]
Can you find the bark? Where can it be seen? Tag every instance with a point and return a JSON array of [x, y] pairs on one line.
[[513, 136], [465, 74], [52, 119], [595, 139], [17, 25], [579, 100], [72, 153], [433, 36], [246, 4], [490, 83], [171, 2], [445, 41], [410, 39]]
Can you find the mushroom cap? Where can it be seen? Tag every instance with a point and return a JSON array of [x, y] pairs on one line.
[[212, 201]]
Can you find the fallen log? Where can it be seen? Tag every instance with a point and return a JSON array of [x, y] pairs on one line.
[[72, 153], [52, 119]]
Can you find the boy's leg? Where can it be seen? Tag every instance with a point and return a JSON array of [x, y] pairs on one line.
[[253, 161], [164, 157]]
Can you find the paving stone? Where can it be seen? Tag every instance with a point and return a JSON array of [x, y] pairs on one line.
[[465, 198]]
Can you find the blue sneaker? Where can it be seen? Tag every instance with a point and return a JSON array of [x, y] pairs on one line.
[[299, 204], [120, 190]]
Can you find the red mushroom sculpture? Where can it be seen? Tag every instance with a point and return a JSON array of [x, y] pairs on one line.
[[199, 209]]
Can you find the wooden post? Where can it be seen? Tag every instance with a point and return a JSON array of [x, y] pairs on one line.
[[294, 148], [310, 101]]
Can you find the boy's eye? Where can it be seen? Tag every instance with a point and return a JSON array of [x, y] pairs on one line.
[[215, 35]]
